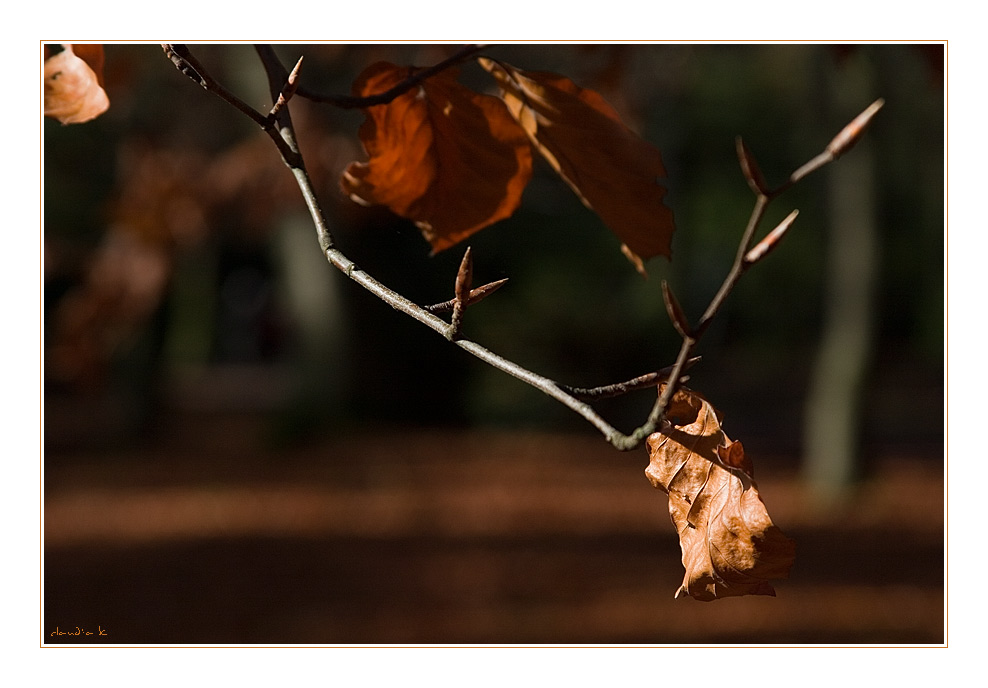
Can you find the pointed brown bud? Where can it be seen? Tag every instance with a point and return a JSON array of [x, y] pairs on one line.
[[478, 294], [771, 240], [464, 277], [675, 311], [752, 173], [850, 134], [483, 291], [293, 77], [288, 90], [461, 291]]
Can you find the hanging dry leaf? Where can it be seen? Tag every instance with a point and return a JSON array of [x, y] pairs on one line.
[[451, 160], [730, 545], [72, 85], [613, 171]]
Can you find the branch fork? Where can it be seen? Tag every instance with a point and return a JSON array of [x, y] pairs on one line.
[[287, 91], [277, 124]]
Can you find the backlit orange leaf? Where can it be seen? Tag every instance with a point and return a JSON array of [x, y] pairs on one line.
[[451, 160], [613, 171], [72, 85], [730, 545]]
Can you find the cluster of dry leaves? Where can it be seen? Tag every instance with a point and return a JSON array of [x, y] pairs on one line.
[[455, 161]]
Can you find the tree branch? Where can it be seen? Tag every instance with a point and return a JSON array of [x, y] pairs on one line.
[[182, 58], [747, 256], [278, 125], [620, 388]]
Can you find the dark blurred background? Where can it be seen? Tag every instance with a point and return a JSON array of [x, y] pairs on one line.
[[242, 446]]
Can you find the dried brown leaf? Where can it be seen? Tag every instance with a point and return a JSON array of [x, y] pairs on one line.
[[73, 90], [613, 171], [730, 545], [451, 160]]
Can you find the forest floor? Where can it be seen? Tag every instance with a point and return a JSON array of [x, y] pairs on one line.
[[204, 536]]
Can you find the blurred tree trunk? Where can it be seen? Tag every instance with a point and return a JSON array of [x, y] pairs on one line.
[[834, 400], [311, 296]]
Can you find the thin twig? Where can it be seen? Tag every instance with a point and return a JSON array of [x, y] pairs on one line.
[[747, 256], [186, 63], [289, 89], [475, 296], [350, 102], [620, 388], [279, 127]]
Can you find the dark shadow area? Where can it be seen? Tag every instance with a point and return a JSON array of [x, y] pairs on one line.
[[460, 537], [431, 590]]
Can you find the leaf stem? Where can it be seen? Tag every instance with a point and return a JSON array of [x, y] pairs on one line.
[[351, 102]]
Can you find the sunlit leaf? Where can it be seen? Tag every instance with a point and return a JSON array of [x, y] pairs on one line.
[[72, 85], [451, 160], [730, 545], [613, 171]]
